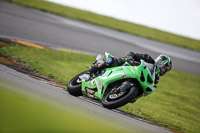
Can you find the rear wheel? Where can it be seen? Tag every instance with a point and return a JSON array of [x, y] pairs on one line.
[[116, 98], [74, 85]]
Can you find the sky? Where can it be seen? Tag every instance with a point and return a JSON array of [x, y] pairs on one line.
[[176, 16]]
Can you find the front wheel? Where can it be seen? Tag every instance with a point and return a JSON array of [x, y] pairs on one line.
[[115, 99], [74, 85]]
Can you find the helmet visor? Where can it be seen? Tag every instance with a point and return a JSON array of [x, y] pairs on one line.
[[163, 70]]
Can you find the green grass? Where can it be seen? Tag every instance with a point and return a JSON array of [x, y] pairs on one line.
[[175, 103], [59, 65], [22, 114], [112, 23]]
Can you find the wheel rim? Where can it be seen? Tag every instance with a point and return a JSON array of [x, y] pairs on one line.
[[115, 94], [77, 80]]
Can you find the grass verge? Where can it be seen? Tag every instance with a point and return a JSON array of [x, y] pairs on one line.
[[111, 23], [175, 103], [59, 65]]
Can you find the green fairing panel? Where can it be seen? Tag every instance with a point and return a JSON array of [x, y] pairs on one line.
[[146, 72], [117, 73]]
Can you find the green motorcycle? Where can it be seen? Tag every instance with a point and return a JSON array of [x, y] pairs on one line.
[[115, 86]]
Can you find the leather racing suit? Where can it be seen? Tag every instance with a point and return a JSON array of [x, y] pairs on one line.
[[131, 57]]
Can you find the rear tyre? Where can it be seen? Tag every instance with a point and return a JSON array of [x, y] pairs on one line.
[[74, 85], [111, 103]]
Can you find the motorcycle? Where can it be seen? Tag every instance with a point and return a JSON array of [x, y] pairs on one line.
[[115, 86]]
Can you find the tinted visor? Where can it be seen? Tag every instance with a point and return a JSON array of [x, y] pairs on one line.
[[164, 68]]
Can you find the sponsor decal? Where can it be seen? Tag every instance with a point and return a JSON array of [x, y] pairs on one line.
[[109, 61], [92, 83], [100, 82], [124, 75]]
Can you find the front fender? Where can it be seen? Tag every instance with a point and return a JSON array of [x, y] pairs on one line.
[[125, 86]]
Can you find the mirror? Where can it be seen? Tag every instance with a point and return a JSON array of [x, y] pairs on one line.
[[100, 57]]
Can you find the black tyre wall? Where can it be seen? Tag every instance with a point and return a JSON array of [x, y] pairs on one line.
[[132, 94], [75, 89]]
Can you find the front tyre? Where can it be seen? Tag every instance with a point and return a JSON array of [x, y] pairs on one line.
[[74, 85], [111, 101]]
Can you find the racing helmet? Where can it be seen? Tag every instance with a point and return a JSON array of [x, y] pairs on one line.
[[163, 63]]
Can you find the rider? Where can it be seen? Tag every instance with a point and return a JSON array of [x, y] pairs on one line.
[[163, 63]]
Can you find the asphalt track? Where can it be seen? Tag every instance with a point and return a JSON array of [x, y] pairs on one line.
[[57, 32], [56, 97]]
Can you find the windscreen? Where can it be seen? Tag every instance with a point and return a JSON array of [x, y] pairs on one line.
[[152, 69]]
